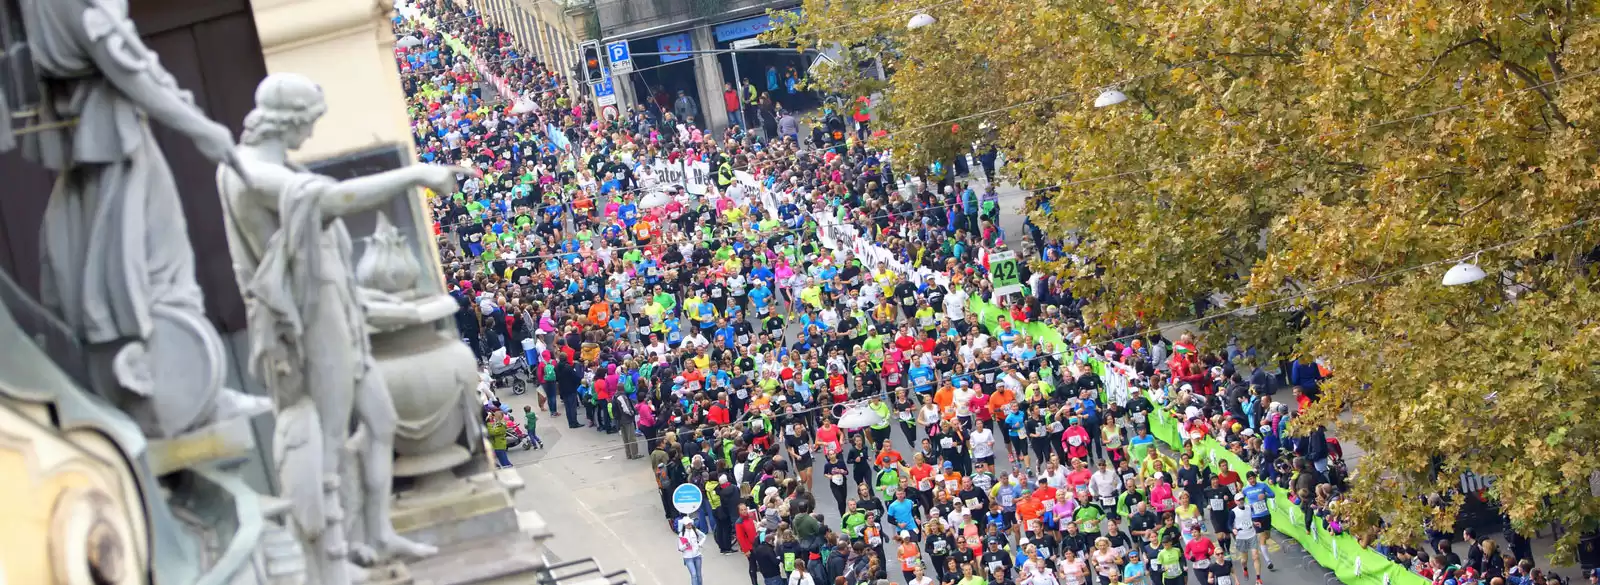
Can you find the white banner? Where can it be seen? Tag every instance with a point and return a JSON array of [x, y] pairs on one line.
[[699, 177]]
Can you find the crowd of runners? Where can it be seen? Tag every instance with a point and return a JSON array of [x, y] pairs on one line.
[[729, 322]]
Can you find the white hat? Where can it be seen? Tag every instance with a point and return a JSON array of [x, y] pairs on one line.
[[904, 534]]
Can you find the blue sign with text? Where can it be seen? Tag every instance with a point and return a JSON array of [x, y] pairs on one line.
[[687, 499]]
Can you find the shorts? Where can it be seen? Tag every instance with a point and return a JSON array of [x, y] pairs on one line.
[[986, 460], [1019, 445], [1245, 546], [1263, 525]]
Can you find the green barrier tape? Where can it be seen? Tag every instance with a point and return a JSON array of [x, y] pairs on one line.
[[1342, 554], [455, 44]]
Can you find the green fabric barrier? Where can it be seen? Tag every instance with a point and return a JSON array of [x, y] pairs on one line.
[[1349, 561], [454, 43]]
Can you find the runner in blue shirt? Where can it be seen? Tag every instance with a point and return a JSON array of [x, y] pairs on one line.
[[760, 296], [674, 335], [922, 378], [1258, 496]]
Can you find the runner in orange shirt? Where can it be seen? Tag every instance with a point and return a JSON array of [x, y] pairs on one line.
[[1029, 509], [945, 397], [998, 401]]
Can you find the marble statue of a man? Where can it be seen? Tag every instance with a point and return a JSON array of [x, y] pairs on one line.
[[309, 345]]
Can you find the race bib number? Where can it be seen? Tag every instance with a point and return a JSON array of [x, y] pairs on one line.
[[837, 478], [905, 416], [1049, 504], [1138, 417], [1216, 504], [1075, 441], [743, 394], [1056, 427], [804, 449], [947, 443], [1107, 501], [972, 503], [1202, 564]]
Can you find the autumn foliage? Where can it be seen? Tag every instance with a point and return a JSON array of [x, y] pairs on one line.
[[1327, 162]]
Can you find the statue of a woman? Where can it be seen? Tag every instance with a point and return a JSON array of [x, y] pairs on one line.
[[118, 267], [308, 337]]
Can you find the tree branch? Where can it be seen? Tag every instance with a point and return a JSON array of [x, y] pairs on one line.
[[1529, 77], [1436, 60]]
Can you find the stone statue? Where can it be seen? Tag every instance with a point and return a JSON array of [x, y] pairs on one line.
[[118, 270], [308, 334], [128, 291]]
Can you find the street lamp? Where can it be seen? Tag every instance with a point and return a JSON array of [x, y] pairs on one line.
[[1109, 98], [921, 20], [1464, 272], [859, 416]]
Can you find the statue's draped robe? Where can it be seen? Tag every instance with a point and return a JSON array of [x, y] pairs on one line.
[[105, 264]]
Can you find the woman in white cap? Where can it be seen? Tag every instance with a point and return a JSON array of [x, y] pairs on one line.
[[690, 542]]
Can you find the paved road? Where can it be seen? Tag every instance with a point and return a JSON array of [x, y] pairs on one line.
[[601, 505]]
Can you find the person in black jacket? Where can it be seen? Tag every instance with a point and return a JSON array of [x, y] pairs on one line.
[[766, 561], [726, 514], [568, 377]]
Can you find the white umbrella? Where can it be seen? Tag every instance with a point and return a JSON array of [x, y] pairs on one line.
[[523, 106], [408, 41]]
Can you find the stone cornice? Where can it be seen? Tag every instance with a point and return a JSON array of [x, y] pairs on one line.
[[285, 25]]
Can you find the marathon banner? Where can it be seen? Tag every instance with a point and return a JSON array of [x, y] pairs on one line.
[[693, 177]]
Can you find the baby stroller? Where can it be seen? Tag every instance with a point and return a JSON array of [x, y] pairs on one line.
[[510, 372], [516, 436]]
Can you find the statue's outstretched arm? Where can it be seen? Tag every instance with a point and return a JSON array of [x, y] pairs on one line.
[[365, 193], [135, 70], [345, 197]]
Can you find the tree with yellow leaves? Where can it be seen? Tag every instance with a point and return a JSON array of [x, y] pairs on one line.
[[1319, 165]]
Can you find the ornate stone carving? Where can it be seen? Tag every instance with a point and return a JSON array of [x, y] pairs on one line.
[[308, 331], [128, 318], [431, 374]]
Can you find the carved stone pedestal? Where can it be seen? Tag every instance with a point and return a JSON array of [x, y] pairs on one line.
[[484, 509]]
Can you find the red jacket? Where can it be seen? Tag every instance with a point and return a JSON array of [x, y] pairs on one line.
[[745, 531]]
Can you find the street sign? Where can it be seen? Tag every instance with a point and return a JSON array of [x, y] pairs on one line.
[[604, 93], [749, 43], [822, 60], [621, 59], [1003, 273], [687, 498]]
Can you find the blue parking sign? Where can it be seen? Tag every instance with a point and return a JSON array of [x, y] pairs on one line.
[[621, 59]]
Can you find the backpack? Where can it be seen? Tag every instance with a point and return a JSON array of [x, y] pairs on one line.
[[549, 372]]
